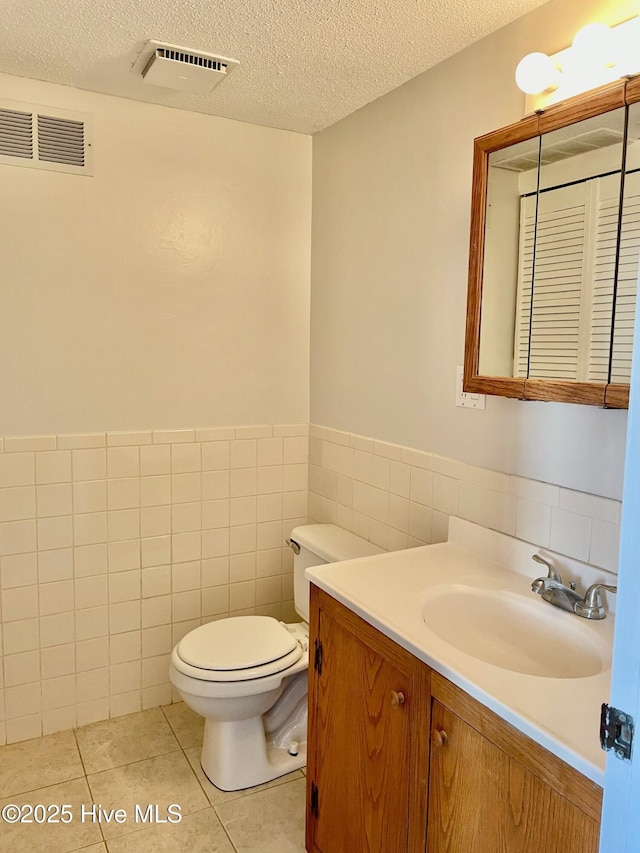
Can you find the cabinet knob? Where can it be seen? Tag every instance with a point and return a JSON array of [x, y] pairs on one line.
[[397, 699], [439, 737]]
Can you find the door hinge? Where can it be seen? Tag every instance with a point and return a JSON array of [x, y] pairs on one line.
[[616, 732], [314, 800], [317, 661]]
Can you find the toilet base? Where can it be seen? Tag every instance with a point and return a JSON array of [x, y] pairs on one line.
[[235, 755]]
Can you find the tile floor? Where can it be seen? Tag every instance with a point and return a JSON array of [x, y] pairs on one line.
[[146, 758]]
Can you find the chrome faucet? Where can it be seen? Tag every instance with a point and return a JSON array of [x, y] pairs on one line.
[[562, 596], [541, 584], [591, 606], [553, 590]]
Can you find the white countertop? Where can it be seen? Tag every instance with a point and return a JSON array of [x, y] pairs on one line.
[[390, 590]]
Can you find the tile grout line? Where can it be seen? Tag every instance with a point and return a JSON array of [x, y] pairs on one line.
[[213, 806], [210, 804], [105, 841], [180, 748], [86, 775], [86, 779]]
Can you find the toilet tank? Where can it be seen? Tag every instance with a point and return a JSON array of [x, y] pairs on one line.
[[318, 544]]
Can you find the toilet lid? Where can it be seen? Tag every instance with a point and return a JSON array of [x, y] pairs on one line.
[[240, 642]]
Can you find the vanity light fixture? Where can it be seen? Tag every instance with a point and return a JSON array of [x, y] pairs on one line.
[[598, 55], [595, 44], [537, 73]]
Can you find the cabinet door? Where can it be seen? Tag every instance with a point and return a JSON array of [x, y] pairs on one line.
[[481, 800], [361, 743]]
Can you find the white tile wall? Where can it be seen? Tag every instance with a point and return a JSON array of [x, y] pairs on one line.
[[113, 545], [398, 496]]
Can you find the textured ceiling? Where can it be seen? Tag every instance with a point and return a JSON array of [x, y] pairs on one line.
[[305, 64]]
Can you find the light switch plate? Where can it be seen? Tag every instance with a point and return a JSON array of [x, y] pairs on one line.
[[467, 401]]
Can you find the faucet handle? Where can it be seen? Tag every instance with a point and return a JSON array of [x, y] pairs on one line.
[[591, 606], [553, 573]]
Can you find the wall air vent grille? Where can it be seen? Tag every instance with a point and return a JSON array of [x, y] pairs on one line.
[[61, 140], [16, 134], [45, 138]]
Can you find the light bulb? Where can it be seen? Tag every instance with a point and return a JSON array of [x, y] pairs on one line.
[[595, 43], [537, 73], [628, 51]]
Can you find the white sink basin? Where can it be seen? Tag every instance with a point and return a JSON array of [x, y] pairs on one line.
[[515, 632]]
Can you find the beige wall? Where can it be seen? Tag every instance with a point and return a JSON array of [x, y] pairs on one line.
[[391, 204], [168, 293], [169, 290]]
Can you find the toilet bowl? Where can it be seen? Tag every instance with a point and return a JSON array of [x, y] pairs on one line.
[[247, 675]]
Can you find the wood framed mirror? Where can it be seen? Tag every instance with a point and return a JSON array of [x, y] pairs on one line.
[[555, 243]]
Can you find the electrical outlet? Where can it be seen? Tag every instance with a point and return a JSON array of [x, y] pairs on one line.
[[467, 401]]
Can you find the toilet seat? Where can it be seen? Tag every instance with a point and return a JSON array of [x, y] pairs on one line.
[[240, 648]]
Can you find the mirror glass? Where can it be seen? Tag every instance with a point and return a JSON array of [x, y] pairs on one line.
[[551, 254], [512, 174], [625, 302]]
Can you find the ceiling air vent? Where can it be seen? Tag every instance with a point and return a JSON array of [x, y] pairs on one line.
[[45, 138], [580, 143], [172, 67]]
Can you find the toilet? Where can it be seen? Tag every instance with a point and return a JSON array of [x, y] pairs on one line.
[[247, 675]]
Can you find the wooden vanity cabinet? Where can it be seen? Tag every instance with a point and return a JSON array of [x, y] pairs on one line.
[[493, 790], [368, 701], [400, 759]]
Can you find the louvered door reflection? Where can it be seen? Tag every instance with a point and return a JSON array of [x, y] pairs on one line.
[[525, 279], [626, 293], [574, 255], [557, 285], [551, 298], [605, 245]]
